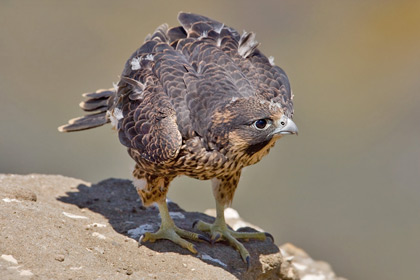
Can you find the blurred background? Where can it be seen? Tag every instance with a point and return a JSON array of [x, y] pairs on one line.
[[346, 190]]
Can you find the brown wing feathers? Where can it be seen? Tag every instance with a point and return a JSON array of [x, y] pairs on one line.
[[183, 74]]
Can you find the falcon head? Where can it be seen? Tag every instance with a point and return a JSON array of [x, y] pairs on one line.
[[253, 123]]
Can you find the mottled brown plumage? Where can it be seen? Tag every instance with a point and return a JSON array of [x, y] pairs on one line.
[[198, 100]]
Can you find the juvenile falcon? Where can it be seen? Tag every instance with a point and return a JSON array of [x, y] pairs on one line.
[[198, 100]]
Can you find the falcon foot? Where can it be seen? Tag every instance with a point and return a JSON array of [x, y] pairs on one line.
[[219, 231], [168, 230], [176, 235]]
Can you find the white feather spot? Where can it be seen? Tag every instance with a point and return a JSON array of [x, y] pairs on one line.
[[114, 116], [118, 113], [114, 121], [205, 34], [135, 63], [208, 258], [72, 216], [111, 117], [9, 258], [140, 184], [139, 231], [271, 60], [149, 57], [8, 200], [219, 42], [115, 85]]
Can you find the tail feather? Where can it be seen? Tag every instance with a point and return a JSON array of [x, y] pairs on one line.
[[86, 122], [100, 93], [97, 104], [94, 104]]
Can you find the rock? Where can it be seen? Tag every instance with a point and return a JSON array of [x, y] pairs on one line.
[[67, 228], [59, 258], [233, 219], [9, 258], [15, 191], [306, 267]]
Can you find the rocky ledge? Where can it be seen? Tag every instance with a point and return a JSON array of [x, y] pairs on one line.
[[55, 227]]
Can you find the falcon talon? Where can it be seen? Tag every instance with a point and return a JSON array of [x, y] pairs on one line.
[[204, 238], [194, 224], [195, 251], [216, 238], [248, 263], [198, 100], [140, 243], [268, 235]]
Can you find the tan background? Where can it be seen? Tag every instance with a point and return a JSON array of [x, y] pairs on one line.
[[346, 189]]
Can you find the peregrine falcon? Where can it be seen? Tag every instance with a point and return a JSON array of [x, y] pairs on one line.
[[199, 100]]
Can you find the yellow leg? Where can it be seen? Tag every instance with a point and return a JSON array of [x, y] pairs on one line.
[[219, 231], [168, 230]]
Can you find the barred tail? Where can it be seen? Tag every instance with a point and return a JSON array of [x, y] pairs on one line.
[[97, 103]]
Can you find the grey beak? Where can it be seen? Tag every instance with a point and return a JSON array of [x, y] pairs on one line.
[[289, 128]]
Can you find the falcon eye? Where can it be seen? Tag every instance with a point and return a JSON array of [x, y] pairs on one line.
[[261, 124]]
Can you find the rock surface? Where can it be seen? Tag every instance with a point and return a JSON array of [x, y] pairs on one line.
[[55, 227]]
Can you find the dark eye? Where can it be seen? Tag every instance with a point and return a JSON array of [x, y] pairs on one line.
[[261, 124]]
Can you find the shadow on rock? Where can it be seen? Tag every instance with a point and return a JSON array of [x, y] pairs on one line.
[[118, 201]]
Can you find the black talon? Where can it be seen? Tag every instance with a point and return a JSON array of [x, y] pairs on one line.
[[248, 263], [204, 238], [217, 237], [140, 240], [195, 223], [269, 236]]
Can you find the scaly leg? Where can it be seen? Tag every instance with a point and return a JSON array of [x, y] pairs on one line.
[[168, 230], [219, 231]]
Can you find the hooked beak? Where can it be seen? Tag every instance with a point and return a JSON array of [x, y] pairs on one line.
[[289, 128]]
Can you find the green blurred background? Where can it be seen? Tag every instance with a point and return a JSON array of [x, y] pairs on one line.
[[346, 189]]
